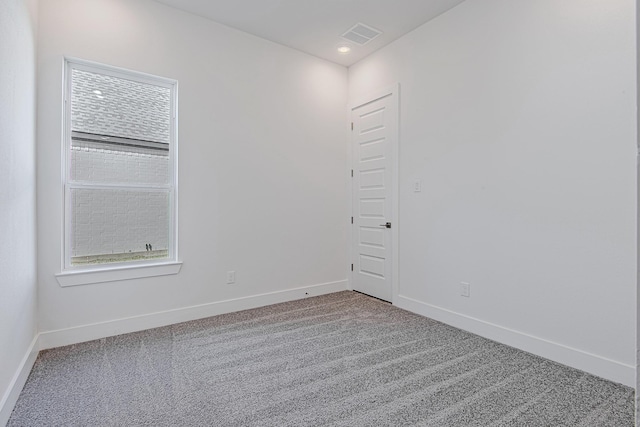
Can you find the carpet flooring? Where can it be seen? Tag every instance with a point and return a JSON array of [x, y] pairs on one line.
[[342, 359]]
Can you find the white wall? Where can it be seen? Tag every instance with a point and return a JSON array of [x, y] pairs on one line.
[[519, 118], [261, 162], [638, 210], [18, 303]]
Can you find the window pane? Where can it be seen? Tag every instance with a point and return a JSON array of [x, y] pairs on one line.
[[118, 225], [107, 105], [102, 162], [120, 130]]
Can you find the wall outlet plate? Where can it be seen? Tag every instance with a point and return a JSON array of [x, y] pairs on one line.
[[231, 277], [465, 289]]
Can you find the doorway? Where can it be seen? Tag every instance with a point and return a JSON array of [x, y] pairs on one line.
[[374, 148]]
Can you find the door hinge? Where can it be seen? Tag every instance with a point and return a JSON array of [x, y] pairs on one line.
[[351, 125], [351, 267], [351, 173], [351, 220]]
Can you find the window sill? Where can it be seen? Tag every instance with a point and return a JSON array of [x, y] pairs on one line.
[[88, 277]]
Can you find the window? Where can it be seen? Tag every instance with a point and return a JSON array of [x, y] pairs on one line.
[[120, 168]]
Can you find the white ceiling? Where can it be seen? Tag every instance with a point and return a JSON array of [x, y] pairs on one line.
[[315, 26]]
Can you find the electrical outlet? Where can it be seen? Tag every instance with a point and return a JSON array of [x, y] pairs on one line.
[[417, 185], [231, 277], [465, 289]]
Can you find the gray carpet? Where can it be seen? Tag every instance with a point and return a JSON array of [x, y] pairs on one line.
[[342, 360]]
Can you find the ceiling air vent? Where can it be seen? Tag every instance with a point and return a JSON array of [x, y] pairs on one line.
[[361, 34]]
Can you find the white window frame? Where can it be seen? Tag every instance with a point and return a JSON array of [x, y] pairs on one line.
[[79, 275]]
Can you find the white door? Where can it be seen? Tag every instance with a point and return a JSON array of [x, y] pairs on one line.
[[373, 138]]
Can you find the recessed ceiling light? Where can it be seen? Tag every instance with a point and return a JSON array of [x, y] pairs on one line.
[[344, 49]]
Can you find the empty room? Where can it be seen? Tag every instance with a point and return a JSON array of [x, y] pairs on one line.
[[318, 212]]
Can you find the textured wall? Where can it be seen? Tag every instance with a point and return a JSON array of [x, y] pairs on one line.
[[107, 163], [118, 221], [107, 222]]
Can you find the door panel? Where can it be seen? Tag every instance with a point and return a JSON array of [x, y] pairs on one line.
[[372, 139]]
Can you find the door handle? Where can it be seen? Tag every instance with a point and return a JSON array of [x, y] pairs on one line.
[[387, 225]]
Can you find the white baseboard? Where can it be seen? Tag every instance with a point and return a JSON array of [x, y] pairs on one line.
[[18, 381], [78, 334], [594, 364]]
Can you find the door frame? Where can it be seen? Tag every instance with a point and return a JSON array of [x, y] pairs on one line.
[[393, 92]]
